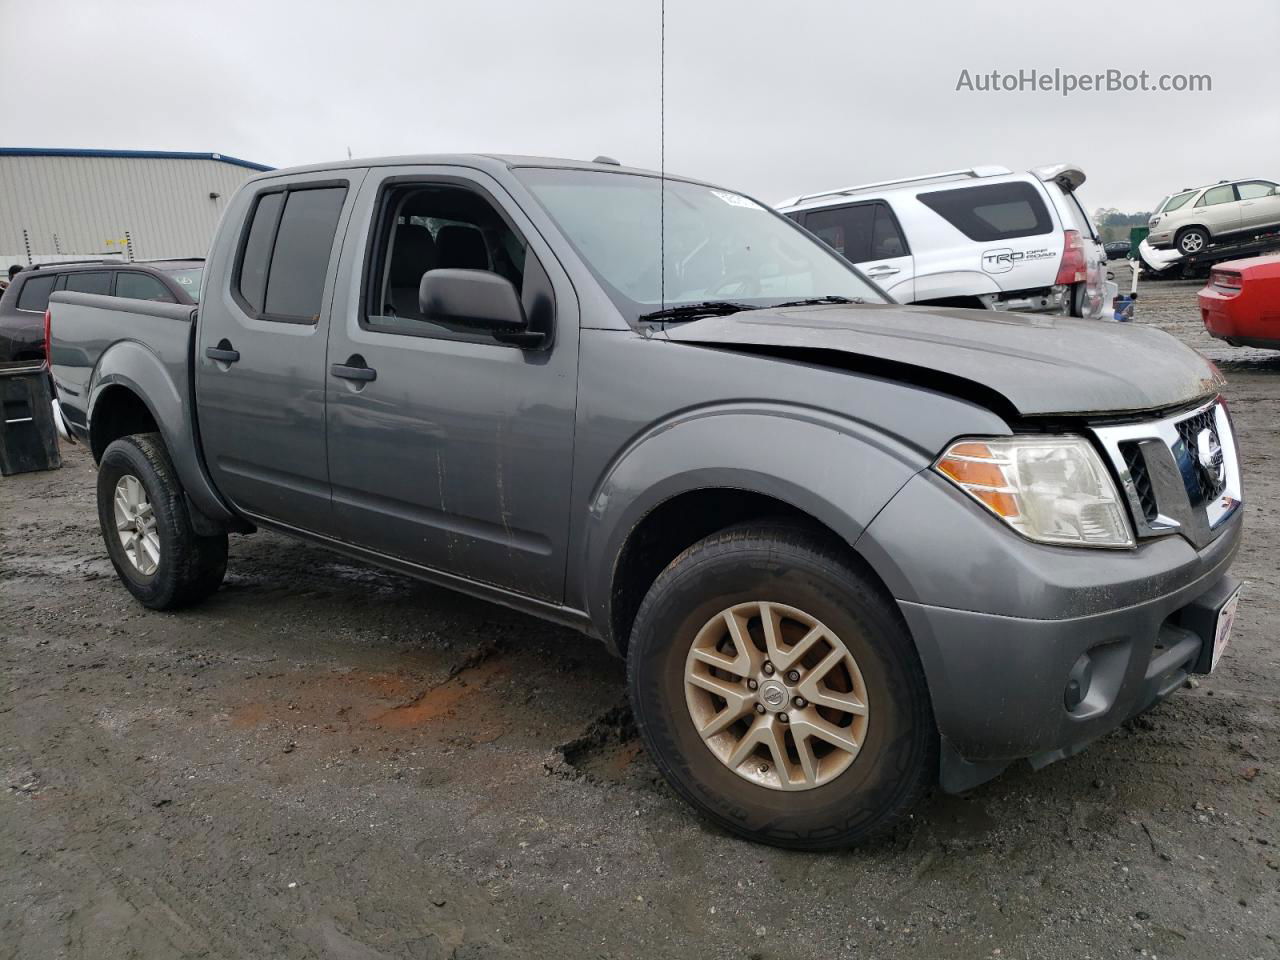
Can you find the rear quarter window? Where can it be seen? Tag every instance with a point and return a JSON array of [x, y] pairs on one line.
[[997, 211], [34, 294]]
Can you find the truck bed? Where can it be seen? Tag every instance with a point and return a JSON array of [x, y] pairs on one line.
[[100, 342]]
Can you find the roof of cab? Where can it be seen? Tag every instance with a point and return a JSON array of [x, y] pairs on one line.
[[490, 162]]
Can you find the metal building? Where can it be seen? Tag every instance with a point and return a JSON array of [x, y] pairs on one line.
[[118, 204]]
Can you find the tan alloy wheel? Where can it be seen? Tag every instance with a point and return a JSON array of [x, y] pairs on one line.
[[136, 525], [776, 696]]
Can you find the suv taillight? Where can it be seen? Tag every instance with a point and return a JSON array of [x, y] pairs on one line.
[[48, 339], [1226, 280], [1073, 268]]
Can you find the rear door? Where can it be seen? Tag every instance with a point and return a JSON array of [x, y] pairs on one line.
[[869, 236], [1259, 204], [261, 345], [1219, 209], [456, 450]]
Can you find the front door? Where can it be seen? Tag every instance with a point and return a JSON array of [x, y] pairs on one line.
[[260, 353], [1259, 204], [453, 451]]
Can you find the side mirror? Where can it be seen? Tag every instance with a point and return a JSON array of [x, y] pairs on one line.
[[477, 299]]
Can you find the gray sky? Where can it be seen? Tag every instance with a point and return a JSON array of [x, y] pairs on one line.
[[772, 98]]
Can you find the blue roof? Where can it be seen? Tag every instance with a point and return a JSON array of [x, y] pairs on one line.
[[133, 154]]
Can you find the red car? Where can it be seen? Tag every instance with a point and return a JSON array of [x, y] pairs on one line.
[[1241, 304]]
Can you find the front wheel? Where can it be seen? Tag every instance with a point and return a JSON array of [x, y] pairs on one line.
[[157, 555], [779, 691]]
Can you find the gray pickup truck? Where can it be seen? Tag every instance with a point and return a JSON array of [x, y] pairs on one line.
[[849, 549]]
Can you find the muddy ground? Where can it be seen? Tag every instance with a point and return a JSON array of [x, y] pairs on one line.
[[327, 760]]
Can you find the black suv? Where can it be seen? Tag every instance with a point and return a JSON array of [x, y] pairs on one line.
[[23, 304]]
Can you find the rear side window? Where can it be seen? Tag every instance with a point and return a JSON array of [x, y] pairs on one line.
[[997, 211], [141, 286], [91, 282], [1224, 194], [286, 253], [846, 230], [35, 293], [1176, 201]]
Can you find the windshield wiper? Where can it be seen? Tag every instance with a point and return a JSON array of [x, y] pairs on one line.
[[692, 311], [814, 301]]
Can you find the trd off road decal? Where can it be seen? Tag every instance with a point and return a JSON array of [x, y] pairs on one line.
[[1004, 259]]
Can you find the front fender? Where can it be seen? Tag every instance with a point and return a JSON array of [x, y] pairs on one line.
[[838, 471], [130, 365]]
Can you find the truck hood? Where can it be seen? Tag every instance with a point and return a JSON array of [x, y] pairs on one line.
[[1040, 364]]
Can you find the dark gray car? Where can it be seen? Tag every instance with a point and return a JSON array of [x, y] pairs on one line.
[[22, 306], [849, 549]]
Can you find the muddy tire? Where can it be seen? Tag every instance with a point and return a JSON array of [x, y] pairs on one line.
[[800, 765], [147, 529]]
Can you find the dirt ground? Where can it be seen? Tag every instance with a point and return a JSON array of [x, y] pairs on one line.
[[327, 760]]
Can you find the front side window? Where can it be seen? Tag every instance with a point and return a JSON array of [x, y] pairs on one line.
[[140, 286], [652, 242], [35, 293], [92, 281], [996, 211], [1216, 195], [285, 256], [430, 226], [1255, 189]]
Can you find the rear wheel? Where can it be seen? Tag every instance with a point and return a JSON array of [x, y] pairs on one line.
[[1192, 240], [147, 528], [779, 691]]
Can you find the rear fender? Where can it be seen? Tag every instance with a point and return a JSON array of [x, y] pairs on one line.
[[129, 365]]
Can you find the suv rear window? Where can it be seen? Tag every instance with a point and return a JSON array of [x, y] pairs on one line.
[[35, 293], [997, 211]]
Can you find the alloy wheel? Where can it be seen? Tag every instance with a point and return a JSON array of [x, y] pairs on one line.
[[776, 696], [136, 525]]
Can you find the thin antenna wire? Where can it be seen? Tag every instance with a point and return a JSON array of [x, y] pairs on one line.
[[662, 154]]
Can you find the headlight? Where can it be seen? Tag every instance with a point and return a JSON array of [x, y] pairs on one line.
[[1050, 489]]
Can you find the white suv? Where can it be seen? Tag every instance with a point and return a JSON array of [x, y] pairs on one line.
[[985, 237]]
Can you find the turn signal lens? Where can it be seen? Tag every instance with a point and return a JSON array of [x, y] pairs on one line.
[[1052, 489]]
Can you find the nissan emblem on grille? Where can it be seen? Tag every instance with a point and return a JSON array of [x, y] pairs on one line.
[[1209, 451]]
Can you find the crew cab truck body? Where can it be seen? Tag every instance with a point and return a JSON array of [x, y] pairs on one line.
[[848, 548]]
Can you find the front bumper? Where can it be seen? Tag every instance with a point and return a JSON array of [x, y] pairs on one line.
[[1001, 623]]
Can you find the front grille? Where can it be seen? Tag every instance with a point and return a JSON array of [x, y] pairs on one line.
[[1137, 466], [1199, 435], [1179, 474]]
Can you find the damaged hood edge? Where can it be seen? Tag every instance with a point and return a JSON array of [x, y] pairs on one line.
[[1041, 365]]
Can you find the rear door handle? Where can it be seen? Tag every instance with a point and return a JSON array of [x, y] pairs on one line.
[[882, 271], [222, 352], [354, 369]]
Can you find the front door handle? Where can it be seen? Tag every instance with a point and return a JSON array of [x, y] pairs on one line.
[[223, 352], [354, 369]]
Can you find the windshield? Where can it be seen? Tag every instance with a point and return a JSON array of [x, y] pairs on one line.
[[189, 279], [718, 245], [1176, 201]]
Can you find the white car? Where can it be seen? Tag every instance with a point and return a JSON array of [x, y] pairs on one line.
[[983, 237]]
